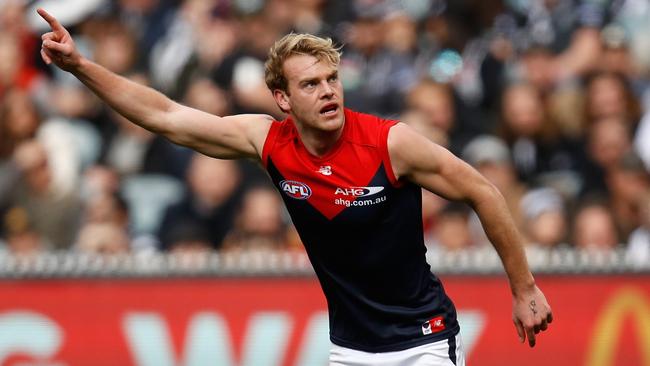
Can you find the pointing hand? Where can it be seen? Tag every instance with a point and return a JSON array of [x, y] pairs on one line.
[[58, 47]]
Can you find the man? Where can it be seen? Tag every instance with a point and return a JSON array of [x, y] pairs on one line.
[[352, 185]]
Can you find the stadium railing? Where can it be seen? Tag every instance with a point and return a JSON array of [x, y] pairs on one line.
[[67, 264]]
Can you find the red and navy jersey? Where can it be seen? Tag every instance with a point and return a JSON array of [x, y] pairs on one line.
[[362, 230]]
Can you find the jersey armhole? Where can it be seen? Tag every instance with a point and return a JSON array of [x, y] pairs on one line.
[[269, 142], [385, 156]]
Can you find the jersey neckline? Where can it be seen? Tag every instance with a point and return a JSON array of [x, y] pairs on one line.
[[336, 148]]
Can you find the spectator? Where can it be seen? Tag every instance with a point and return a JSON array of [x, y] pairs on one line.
[[259, 226], [435, 102], [211, 201], [19, 123], [34, 191], [147, 20], [107, 208], [616, 55], [420, 121], [15, 72], [242, 72], [375, 77], [119, 48], [545, 218], [594, 227], [451, 232], [608, 94], [189, 237], [202, 93], [102, 238], [536, 144], [99, 180], [627, 184], [608, 140], [20, 237]]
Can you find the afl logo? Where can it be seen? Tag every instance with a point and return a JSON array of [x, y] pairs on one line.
[[294, 189]]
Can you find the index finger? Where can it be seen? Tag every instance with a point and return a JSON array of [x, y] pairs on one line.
[[49, 19]]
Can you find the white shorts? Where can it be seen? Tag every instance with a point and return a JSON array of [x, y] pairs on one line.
[[447, 352]]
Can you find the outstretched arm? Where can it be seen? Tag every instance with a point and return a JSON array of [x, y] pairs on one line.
[[220, 137], [436, 169]]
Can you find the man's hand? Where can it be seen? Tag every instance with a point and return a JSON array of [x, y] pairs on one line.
[[531, 314], [58, 47]]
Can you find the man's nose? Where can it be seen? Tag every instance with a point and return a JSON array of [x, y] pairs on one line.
[[326, 89]]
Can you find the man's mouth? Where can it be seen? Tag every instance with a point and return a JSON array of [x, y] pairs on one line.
[[329, 109]]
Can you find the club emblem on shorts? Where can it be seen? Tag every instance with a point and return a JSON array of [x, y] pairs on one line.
[[433, 325], [295, 189], [325, 170]]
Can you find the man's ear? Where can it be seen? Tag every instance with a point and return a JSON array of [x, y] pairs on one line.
[[282, 100]]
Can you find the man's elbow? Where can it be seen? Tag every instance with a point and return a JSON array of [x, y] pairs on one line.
[[486, 193]]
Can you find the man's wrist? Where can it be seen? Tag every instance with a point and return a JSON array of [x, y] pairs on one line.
[[78, 67], [522, 285]]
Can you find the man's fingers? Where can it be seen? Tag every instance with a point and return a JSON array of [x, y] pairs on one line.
[[520, 330], [48, 54], [54, 24], [544, 325], [549, 317], [48, 36], [45, 57], [55, 47], [530, 333]]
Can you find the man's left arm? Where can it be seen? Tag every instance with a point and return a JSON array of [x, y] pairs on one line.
[[434, 168]]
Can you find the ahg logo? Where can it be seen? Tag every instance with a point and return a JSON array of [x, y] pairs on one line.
[[358, 191], [294, 189]]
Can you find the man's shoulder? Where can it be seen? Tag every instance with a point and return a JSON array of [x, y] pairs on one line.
[[366, 117], [367, 128], [280, 128]]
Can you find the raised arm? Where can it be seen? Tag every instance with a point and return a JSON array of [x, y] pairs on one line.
[[436, 169], [221, 137]]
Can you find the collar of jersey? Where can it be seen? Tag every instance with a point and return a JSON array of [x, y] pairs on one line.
[[333, 151]]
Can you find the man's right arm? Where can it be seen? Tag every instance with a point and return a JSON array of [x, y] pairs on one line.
[[221, 137]]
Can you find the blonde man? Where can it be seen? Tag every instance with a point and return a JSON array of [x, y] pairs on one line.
[[351, 183]]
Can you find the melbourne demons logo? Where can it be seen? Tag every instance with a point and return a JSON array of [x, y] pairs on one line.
[[294, 189]]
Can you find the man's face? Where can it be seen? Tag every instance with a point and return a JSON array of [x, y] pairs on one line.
[[314, 94]]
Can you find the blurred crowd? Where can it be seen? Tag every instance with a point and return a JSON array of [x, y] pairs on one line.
[[549, 99]]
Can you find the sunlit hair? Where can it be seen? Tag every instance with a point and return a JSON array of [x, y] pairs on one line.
[[297, 44]]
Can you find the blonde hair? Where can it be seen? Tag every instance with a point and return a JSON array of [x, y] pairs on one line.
[[297, 44]]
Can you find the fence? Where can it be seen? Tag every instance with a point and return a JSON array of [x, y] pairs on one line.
[[267, 309]]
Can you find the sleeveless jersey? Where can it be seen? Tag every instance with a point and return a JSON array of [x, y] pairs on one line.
[[362, 231]]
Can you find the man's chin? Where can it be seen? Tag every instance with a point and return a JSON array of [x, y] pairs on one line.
[[331, 123]]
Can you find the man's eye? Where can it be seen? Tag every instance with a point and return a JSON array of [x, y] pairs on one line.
[[333, 79]]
